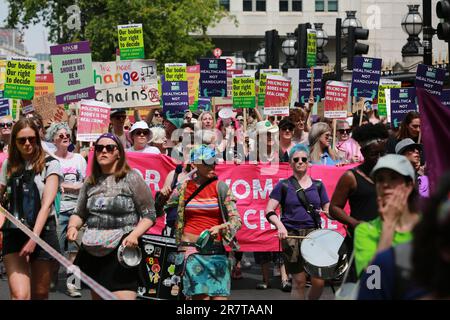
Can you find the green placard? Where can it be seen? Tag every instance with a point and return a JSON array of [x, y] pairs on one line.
[[243, 92], [20, 78], [175, 72], [262, 83], [131, 41], [382, 111], [311, 48]]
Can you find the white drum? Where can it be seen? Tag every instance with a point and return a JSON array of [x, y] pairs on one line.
[[320, 252]]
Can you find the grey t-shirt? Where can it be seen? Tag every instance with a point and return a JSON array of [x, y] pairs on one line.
[[52, 167], [116, 205]]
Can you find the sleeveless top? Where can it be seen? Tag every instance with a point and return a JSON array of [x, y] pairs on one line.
[[363, 200]]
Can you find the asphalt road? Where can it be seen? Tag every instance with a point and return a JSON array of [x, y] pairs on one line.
[[244, 289]]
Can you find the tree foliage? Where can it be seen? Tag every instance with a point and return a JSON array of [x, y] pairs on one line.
[[168, 24]]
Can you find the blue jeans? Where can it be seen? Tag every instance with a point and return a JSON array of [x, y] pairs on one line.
[[63, 221]]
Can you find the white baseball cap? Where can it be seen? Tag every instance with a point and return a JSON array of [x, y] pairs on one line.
[[397, 163], [139, 125]]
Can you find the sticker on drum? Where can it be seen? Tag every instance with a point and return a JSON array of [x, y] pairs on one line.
[[171, 258]]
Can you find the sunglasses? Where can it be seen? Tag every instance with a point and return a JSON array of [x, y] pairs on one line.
[[287, 129], [157, 115], [119, 117], [62, 136], [342, 131], [208, 164], [139, 132], [109, 147], [23, 140], [297, 159], [6, 125]]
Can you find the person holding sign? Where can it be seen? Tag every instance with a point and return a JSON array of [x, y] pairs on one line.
[[29, 177], [348, 149], [117, 207], [118, 117]]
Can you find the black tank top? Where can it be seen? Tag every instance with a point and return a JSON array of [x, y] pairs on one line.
[[363, 200]]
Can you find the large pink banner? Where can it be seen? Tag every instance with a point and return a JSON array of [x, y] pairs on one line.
[[251, 184]]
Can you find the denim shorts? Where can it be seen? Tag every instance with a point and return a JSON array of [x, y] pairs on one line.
[[63, 221]]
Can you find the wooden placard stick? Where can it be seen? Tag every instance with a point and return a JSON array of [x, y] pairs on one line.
[[245, 119], [361, 107], [334, 133]]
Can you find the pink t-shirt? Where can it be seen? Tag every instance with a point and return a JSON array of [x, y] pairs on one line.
[[348, 149]]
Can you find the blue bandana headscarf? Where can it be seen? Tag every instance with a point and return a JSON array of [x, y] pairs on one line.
[[202, 153], [109, 136]]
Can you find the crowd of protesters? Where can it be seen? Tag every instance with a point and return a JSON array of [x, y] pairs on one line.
[[387, 177]]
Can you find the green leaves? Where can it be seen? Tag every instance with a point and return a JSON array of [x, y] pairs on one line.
[[174, 30]]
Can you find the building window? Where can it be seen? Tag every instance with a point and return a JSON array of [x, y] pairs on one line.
[[260, 5], [225, 4], [284, 5], [296, 5], [247, 5], [333, 5], [320, 5]]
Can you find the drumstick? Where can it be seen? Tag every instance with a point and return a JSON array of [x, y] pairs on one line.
[[294, 237]]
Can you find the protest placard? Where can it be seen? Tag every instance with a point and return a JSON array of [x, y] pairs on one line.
[[44, 84], [49, 110], [294, 75], [305, 85], [4, 105], [193, 78], [311, 48], [175, 97], [204, 104], [93, 120], [2, 74], [366, 77], [399, 102], [445, 97], [72, 72], [213, 78], [431, 79], [277, 97], [243, 91], [230, 74], [337, 100], [20, 78], [175, 72], [116, 74], [131, 41], [263, 73], [385, 84]]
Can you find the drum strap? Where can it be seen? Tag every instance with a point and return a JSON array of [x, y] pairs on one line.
[[304, 201]]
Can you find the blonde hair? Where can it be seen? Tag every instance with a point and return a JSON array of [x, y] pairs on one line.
[[198, 125], [317, 130], [158, 135]]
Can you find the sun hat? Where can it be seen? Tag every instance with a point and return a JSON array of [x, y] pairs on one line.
[[404, 144], [139, 125]]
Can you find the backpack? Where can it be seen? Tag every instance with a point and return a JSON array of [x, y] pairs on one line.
[[24, 199]]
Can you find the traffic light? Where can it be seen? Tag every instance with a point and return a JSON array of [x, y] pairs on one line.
[[443, 12], [272, 46], [354, 48], [301, 34]]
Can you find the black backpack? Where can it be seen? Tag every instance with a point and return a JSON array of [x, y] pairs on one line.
[[24, 200]]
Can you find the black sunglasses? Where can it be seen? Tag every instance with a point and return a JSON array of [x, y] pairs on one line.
[[23, 140], [62, 136], [347, 131], [139, 132], [6, 125], [109, 147], [297, 159], [287, 129], [157, 115]]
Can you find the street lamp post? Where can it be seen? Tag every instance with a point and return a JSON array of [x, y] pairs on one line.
[[288, 48], [412, 25], [349, 21], [322, 41], [241, 63]]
